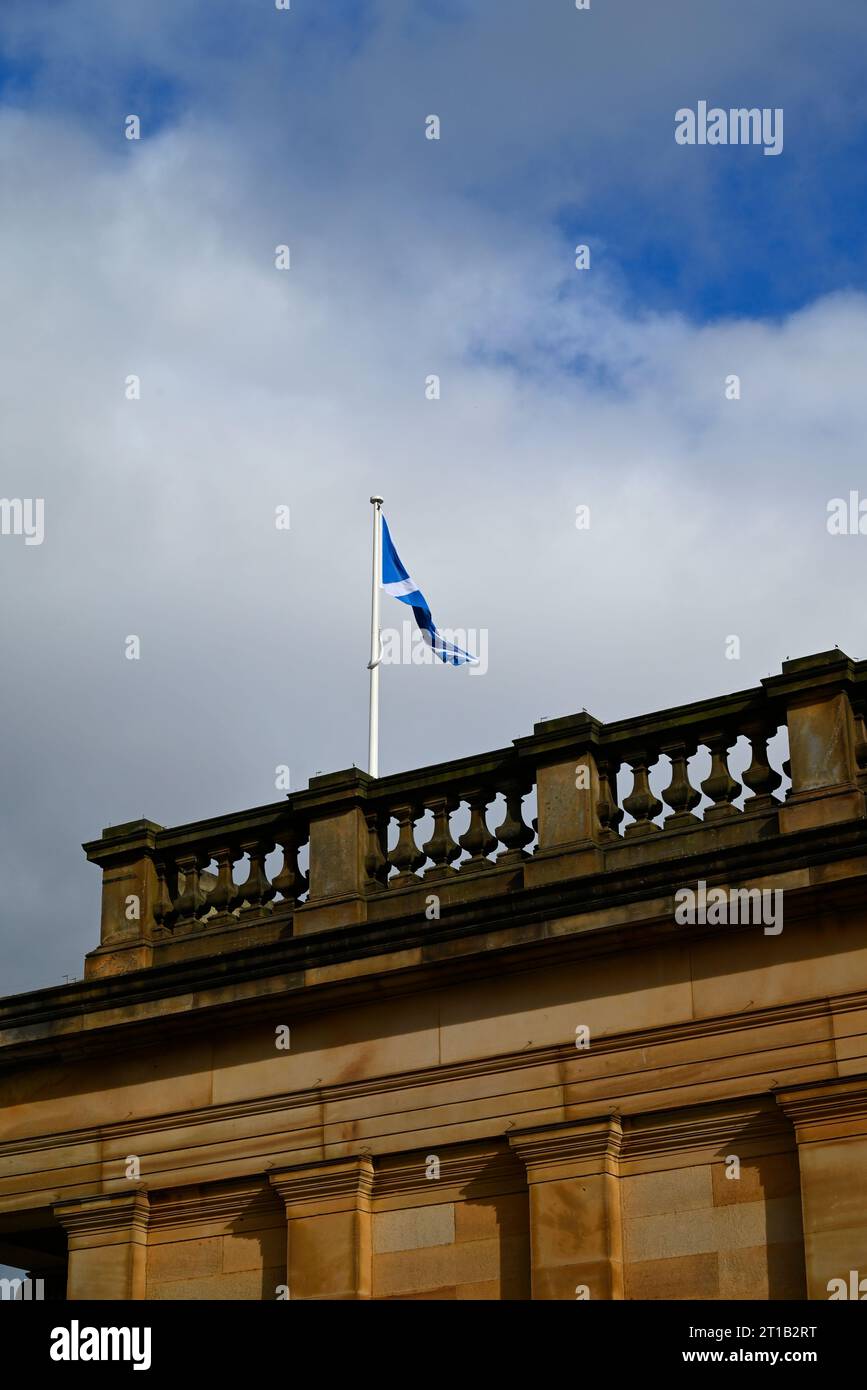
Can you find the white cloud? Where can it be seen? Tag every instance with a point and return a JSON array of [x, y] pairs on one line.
[[261, 387]]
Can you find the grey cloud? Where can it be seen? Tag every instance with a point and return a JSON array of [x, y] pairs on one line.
[[260, 388]]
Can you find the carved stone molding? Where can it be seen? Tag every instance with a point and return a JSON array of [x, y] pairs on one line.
[[704, 1133], [568, 1150], [333, 1185], [328, 1215], [107, 1240], [96, 1220], [218, 1207], [834, 1109], [476, 1170]]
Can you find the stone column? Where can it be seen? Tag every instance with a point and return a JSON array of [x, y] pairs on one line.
[[830, 1121], [107, 1238], [576, 1240], [328, 1218]]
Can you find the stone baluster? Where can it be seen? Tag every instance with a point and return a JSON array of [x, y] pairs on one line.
[[253, 897], [165, 911], [477, 838], [760, 777], [441, 847], [608, 812], [860, 741], [222, 895], [190, 905], [720, 786], [641, 803], [290, 882], [514, 832], [680, 794], [376, 866], [406, 856]]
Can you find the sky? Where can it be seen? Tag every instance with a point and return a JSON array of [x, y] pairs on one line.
[[305, 388]]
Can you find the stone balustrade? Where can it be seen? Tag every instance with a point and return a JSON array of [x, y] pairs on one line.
[[190, 894], [467, 789], [605, 797]]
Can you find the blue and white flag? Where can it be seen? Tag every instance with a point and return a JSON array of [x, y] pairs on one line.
[[396, 581]]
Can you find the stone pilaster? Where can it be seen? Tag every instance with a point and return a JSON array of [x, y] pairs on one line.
[[107, 1238], [129, 894], [334, 805], [328, 1218], [567, 798], [576, 1239], [816, 692], [830, 1121]]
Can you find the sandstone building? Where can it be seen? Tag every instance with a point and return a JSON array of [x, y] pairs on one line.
[[517, 1076]]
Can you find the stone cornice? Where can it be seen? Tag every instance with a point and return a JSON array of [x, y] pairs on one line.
[[333, 1185], [118, 840], [220, 1207], [819, 1011], [485, 1168], [706, 1130], [560, 1151], [94, 1220], [501, 934], [819, 674], [819, 1112]]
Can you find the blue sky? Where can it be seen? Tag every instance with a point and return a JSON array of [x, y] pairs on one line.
[[409, 257], [730, 234]]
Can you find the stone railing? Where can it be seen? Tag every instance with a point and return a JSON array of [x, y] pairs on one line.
[[466, 830], [167, 885], [443, 796], [190, 891]]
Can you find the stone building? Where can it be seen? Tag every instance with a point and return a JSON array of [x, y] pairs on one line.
[[529, 1074]]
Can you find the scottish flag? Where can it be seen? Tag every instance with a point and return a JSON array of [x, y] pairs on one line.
[[396, 581]]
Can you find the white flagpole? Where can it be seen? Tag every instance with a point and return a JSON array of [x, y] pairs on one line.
[[373, 666]]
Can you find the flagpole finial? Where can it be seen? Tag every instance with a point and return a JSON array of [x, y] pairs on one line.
[[377, 501]]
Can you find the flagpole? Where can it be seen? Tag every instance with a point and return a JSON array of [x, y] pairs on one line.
[[373, 667]]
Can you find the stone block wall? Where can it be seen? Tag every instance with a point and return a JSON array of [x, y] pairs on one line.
[[222, 1241], [473, 1249], [693, 1233]]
